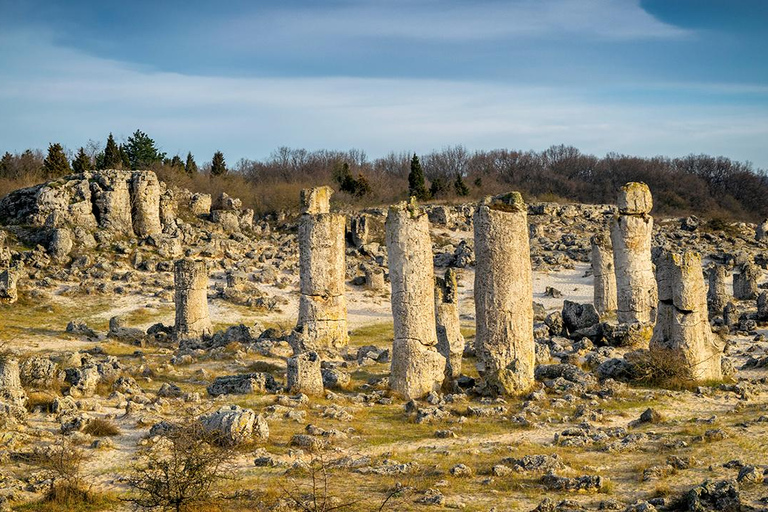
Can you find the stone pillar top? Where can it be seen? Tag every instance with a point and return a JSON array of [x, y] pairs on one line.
[[316, 200], [509, 202], [635, 199]]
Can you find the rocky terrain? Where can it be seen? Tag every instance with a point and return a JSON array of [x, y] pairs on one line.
[[364, 344]]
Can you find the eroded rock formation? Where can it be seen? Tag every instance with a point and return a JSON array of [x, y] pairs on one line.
[[191, 282], [450, 342], [745, 282], [682, 329], [417, 367], [322, 320], [604, 275], [503, 295], [717, 294]]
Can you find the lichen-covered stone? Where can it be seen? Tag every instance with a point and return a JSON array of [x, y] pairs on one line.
[[504, 340], [631, 235], [191, 282], [604, 275], [234, 425], [112, 200], [417, 367], [450, 342], [11, 390], [200, 204], [316, 200], [682, 327], [61, 244], [304, 375]]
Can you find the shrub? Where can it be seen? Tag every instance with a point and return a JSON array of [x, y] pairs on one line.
[[101, 428]]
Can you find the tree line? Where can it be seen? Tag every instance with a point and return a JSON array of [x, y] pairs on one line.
[[704, 185]]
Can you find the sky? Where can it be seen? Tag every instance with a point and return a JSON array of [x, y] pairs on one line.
[[650, 77]]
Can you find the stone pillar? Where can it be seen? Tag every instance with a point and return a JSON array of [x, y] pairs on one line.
[[503, 295], [8, 279], [761, 231], [682, 328], [304, 375], [167, 208], [762, 307], [112, 199], [13, 398], [374, 278], [745, 282], [359, 230], [145, 198], [717, 295], [450, 342], [417, 367], [604, 275], [322, 320], [192, 318], [631, 235]]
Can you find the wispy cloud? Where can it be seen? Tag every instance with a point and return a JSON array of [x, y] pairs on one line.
[[54, 94]]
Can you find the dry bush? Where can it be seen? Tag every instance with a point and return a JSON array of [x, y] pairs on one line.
[[63, 465], [178, 472], [661, 368], [101, 428]]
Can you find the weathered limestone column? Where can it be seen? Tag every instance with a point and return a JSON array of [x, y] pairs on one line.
[[762, 307], [745, 282], [450, 342], [112, 199], [304, 375], [192, 318], [322, 320], [604, 275], [717, 295], [504, 295], [417, 367], [631, 235], [8, 279], [761, 231], [13, 398], [145, 199], [359, 230], [682, 328]]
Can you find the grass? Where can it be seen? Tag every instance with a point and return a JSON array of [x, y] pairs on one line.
[[380, 334], [101, 428], [68, 501]]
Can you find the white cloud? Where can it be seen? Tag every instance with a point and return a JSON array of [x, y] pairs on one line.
[[53, 94]]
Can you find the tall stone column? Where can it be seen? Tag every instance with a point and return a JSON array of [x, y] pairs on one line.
[[322, 320], [631, 235], [145, 200], [682, 329], [450, 342], [112, 200], [8, 280], [604, 274], [503, 295], [417, 367], [192, 318], [745, 282], [717, 295]]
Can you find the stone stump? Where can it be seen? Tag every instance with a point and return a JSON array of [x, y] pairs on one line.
[[304, 375], [682, 329], [717, 294], [417, 367], [145, 199], [604, 275], [374, 278], [359, 230], [762, 307], [13, 398], [631, 235], [450, 342], [191, 282], [322, 320], [8, 281], [745, 282], [761, 231], [503, 296]]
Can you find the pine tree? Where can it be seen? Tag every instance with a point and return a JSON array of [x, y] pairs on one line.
[[56, 163], [218, 166], [141, 151], [416, 186], [176, 164], [81, 163], [112, 158], [125, 161], [460, 187], [190, 166], [6, 165]]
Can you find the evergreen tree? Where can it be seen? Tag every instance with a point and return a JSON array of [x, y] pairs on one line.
[[125, 161], [190, 166], [56, 163], [176, 164], [81, 163], [439, 187], [416, 186], [218, 166], [6, 165], [362, 187], [141, 151], [112, 158], [460, 187]]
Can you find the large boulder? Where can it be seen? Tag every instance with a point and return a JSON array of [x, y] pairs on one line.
[[234, 425], [242, 384]]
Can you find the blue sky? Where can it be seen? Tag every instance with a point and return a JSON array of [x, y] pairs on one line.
[[668, 77]]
